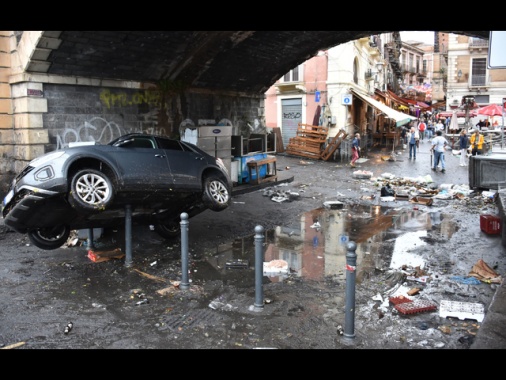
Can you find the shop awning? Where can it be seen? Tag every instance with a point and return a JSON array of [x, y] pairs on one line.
[[399, 117], [397, 99]]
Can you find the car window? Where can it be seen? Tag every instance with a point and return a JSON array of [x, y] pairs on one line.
[[138, 142], [169, 144]]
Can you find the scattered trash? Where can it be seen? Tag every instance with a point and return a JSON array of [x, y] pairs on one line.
[[416, 306], [238, 264], [466, 280], [484, 273], [333, 205], [362, 174], [421, 200], [99, 256], [461, 310], [378, 297], [275, 267], [413, 291], [399, 299], [15, 345], [155, 278], [422, 279], [387, 191], [68, 328]]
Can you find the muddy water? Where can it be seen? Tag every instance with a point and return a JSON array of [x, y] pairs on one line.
[[315, 248]]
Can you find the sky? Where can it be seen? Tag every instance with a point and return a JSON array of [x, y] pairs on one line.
[[425, 37]]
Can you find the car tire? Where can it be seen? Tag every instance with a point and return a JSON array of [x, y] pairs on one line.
[[170, 230], [91, 191], [216, 196], [49, 238]]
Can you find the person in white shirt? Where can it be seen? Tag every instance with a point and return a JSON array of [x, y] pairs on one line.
[[439, 144], [439, 126], [413, 138]]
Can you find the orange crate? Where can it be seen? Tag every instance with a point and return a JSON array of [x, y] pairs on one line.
[[490, 224]]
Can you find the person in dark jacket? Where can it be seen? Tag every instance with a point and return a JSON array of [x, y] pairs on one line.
[[463, 144]]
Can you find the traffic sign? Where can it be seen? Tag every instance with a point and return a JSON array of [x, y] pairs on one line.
[[347, 99], [317, 96]]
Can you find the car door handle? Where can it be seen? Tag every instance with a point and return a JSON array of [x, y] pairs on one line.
[[159, 155]]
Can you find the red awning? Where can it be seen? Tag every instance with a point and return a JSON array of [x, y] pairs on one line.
[[397, 99]]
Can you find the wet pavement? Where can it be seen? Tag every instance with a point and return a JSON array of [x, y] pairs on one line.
[[308, 217]]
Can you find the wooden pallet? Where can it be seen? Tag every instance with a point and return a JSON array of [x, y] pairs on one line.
[[314, 132], [302, 146], [309, 141], [333, 145]]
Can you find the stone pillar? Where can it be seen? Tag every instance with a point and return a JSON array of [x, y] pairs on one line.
[[6, 118]]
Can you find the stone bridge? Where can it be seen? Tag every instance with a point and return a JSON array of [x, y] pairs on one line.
[[58, 87]]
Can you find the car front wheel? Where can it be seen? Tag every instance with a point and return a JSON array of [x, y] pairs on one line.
[[216, 195], [91, 190], [49, 238]]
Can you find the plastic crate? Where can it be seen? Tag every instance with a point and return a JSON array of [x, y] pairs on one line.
[[490, 224]]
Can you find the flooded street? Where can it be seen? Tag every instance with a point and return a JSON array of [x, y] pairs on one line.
[[316, 248]]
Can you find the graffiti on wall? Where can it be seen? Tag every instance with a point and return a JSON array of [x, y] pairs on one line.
[[291, 115], [89, 132], [124, 99], [100, 131]]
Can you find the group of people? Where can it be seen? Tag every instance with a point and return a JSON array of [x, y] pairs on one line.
[[438, 144]]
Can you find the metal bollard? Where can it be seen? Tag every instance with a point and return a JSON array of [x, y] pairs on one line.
[[128, 235], [185, 284], [351, 269], [90, 239], [259, 268]]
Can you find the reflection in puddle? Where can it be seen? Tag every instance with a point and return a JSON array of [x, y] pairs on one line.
[[315, 247]]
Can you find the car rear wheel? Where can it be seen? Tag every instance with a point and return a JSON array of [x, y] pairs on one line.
[[91, 190], [49, 238], [216, 195], [168, 230]]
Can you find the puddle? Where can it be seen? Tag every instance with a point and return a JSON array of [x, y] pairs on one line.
[[315, 248]]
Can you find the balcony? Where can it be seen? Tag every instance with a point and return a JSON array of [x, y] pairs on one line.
[[478, 81], [477, 43]]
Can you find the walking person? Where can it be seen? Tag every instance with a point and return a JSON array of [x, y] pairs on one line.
[[421, 129], [355, 149], [413, 138], [430, 129], [463, 143], [439, 144], [476, 141]]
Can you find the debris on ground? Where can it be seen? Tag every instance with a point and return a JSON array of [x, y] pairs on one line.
[[151, 277], [484, 273], [99, 256]]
